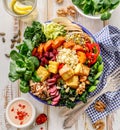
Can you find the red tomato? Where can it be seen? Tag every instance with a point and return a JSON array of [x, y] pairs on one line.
[[42, 118]]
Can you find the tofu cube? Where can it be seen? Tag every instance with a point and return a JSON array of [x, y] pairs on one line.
[[66, 72], [43, 73], [73, 82], [53, 67], [85, 70], [82, 70], [78, 69]]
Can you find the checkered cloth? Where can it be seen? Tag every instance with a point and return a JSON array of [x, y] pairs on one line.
[[109, 41]]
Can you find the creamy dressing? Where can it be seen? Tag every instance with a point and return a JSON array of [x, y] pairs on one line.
[[20, 112]]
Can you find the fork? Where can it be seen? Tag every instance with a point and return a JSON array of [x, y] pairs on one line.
[[112, 85]]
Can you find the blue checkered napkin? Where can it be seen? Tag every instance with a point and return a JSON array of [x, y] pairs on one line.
[[109, 41]]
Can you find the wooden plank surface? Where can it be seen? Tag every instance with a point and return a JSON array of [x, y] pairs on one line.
[[46, 11]]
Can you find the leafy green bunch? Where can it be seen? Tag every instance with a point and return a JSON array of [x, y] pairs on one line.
[[23, 65], [95, 7]]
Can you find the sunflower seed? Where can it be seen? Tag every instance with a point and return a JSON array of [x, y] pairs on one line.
[[3, 39], [15, 36], [2, 34], [7, 55], [12, 45]]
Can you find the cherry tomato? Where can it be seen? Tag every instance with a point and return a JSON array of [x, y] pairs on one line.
[[42, 118]]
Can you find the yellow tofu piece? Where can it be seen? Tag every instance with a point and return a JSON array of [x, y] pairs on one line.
[[86, 70], [43, 73], [73, 82], [66, 72], [82, 70], [78, 69], [53, 67]]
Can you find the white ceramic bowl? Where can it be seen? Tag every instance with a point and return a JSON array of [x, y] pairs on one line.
[[89, 15], [30, 121]]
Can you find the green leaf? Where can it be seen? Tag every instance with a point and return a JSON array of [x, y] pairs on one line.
[[35, 33], [98, 75], [84, 97], [13, 75], [14, 55], [29, 44], [105, 16], [20, 70], [27, 75], [34, 60], [24, 86], [92, 88], [30, 65], [36, 78], [100, 67]]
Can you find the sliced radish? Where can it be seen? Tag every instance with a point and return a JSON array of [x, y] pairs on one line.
[[56, 99], [51, 84], [54, 93], [53, 89], [54, 103]]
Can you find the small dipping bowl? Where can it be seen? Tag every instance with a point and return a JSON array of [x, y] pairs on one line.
[[20, 113]]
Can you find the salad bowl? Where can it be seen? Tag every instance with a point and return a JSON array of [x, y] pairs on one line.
[[58, 62], [96, 9]]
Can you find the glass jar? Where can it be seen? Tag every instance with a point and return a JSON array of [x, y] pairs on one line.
[[29, 17]]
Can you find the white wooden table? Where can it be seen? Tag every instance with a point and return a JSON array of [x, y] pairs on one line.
[[47, 10]]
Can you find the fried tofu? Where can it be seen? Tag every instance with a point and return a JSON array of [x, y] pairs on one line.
[[73, 82], [43, 73], [78, 69], [66, 72], [53, 67], [82, 70], [85, 70]]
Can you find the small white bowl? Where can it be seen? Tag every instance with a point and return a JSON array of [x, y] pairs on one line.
[[89, 15], [30, 121]]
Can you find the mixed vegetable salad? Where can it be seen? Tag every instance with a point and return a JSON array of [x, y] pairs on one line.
[[57, 64], [95, 7]]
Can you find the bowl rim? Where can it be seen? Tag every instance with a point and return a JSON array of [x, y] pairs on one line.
[[33, 113], [95, 17], [86, 31], [14, 14]]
